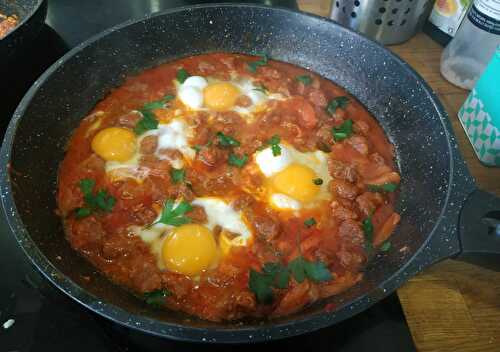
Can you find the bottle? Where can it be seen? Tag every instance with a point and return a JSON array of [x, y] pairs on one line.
[[447, 15], [466, 56]]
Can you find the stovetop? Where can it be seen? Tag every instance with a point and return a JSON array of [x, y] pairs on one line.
[[44, 318]]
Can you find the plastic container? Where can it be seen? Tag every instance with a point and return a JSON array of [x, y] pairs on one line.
[[466, 56]]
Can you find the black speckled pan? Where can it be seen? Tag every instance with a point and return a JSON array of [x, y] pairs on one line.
[[31, 14], [435, 182]]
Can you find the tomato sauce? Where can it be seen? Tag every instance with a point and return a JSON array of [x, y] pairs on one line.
[[330, 250]]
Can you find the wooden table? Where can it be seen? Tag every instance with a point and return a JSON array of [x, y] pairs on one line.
[[452, 306]]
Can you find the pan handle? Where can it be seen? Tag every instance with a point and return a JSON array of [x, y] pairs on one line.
[[479, 229]]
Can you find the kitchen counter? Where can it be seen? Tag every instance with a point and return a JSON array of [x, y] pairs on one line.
[[453, 306]]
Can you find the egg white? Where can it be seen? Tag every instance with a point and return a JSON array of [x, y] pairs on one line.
[[270, 165]]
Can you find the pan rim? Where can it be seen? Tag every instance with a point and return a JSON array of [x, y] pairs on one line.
[[276, 330], [25, 19]]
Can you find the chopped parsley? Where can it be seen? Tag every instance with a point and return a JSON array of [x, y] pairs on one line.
[[174, 216], [343, 131], [149, 121], [226, 141], [182, 75], [261, 283], [238, 161], [386, 187], [254, 65], [274, 142], [177, 175], [157, 297], [385, 246], [304, 79], [310, 222], [316, 271], [99, 201], [335, 103], [367, 226], [318, 181]]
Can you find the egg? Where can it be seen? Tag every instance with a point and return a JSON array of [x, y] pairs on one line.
[[211, 94], [191, 249], [173, 135], [290, 177], [114, 144]]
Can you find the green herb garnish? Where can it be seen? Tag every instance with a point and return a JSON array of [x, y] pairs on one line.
[[274, 142], [261, 283], [386, 187], [157, 297], [367, 226], [318, 181], [174, 216], [304, 79], [385, 246], [226, 141], [149, 121], [237, 161], [182, 75], [254, 65], [310, 222], [316, 271], [343, 131], [177, 175], [100, 201], [335, 103]]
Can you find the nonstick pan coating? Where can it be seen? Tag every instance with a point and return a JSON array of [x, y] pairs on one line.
[[411, 115]]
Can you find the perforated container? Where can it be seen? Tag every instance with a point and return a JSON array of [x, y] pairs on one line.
[[387, 21]]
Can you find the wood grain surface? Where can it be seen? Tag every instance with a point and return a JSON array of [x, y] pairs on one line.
[[452, 306]]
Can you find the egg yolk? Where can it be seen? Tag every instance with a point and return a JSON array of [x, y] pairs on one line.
[[221, 96], [114, 143], [296, 181], [189, 250]]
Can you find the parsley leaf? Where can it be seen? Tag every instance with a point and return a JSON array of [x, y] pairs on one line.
[[318, 181], [254, 65], [82, 212], [148, 122], [274, 142], [310, 222], [343, 131], [304, 79], [237, 161], [296, 267], [177, 175], [226, 141], [367, 226], [182, 75], [93, 202], [174, 216], [279, 274], [315, 271], [261, 283], [385, 246], [157, 297], [386, 187], [335, 103]]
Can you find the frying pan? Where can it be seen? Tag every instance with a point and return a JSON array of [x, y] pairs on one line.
[[441, 209], [31, 14]]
